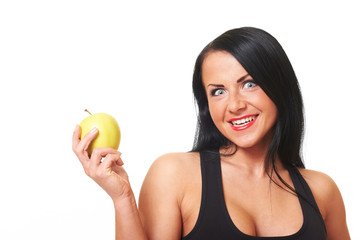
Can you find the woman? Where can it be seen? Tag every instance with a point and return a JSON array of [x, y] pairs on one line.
[[244, 178]]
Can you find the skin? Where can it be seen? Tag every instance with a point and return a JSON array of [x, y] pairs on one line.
[[170, 197]]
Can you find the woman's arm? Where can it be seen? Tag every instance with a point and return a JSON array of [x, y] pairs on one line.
[[335, 217], [161, 196], [159, 216], [104, 166], [330, 203], [127, 220]]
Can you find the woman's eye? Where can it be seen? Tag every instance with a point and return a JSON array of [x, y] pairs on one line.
[[249, 84], [217, 92]]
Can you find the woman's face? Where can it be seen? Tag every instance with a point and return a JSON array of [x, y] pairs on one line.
[[240, 109]]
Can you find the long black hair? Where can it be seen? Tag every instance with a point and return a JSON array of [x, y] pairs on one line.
[[264, 59]]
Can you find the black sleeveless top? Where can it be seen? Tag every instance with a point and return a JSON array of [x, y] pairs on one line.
[[214, 222]]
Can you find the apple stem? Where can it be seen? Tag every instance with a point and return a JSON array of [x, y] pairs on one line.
[[86, 110]]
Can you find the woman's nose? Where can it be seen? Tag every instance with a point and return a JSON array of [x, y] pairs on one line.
[[236, 103]]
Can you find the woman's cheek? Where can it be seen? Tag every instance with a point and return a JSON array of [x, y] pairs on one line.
[[217, 113]]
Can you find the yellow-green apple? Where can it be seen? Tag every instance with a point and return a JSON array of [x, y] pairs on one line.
[[108, 131]]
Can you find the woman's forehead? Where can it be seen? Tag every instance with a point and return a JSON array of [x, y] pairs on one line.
[[221, 66]]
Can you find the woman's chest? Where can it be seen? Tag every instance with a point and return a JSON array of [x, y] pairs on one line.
[[254, 210]]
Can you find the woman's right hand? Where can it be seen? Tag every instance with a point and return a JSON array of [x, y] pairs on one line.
[[104, 165]]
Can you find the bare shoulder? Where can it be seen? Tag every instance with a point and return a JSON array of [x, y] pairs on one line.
[[329, 201], [175, 159], [171, 172], [162, 192], [324, 190], [318, 180], [174, 165]]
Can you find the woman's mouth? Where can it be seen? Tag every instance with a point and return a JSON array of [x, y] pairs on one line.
[[242, 123]]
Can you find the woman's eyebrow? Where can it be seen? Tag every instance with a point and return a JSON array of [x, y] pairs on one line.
[[215, 85], [221, 85], [242, 78]]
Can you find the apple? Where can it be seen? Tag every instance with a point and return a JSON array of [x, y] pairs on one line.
[[108, 130]]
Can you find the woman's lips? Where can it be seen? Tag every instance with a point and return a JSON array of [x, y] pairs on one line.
[[242, 123]]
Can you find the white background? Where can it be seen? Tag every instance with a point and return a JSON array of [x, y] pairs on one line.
[[134, 60]]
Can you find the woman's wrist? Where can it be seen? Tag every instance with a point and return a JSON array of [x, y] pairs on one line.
[[125, 204], [127, 219]]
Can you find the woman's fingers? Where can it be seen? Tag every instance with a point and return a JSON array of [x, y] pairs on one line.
[[112, 177], [120, 162], [76, 137], [80, 145], [104, 165], [107, 163], [99, 153], [97, 158], [111, 163], [86, 140]]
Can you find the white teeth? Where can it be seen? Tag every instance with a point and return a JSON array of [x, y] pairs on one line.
[[243, 121]]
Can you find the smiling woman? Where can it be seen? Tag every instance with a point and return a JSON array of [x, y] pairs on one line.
[[244, 178], [262, 57], [236, 102]]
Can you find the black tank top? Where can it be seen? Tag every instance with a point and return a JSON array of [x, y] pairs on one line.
[[214, 222]]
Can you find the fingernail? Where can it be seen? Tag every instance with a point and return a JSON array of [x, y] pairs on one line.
[[94, 130]]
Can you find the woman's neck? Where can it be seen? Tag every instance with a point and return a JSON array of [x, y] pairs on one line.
[[251, 161]]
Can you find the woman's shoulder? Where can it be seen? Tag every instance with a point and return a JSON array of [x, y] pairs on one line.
[[174, 168], [176, 161], [324, 189], [178, 156], [319, 181], [329, 200], [316, 178], [170, 174]]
